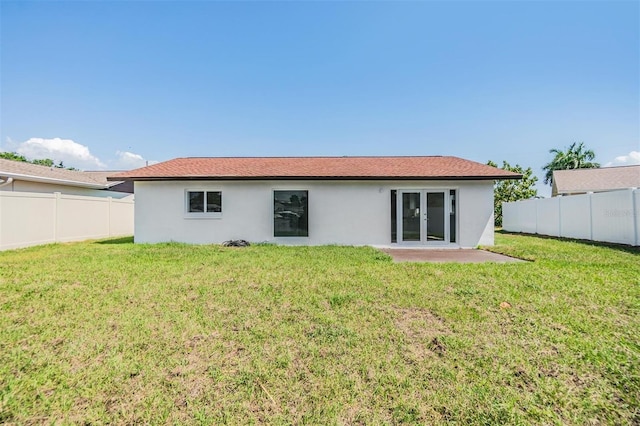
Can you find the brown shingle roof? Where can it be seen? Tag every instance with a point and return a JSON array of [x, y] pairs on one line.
[[432, 168], [35, 172], [595, 180]]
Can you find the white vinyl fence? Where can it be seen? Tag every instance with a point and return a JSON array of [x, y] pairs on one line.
[[604, 216], [29, 218]]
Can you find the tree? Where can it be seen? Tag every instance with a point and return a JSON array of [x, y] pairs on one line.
[[512, 189], [575, 157], [44, 162], [14, 156]]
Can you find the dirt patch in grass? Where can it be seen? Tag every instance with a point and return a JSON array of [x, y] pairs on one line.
[[422, 332]]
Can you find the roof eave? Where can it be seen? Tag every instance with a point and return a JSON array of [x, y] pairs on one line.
[[256, 178], [66, 182], [587, 190]]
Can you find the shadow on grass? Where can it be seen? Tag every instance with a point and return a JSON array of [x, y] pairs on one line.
[[120, 240], [620, 247]]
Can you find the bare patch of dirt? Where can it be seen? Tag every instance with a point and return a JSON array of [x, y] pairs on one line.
[[351, 416], [422, 331], [192, 376], [437, 346], [74, 286], [57, 342]]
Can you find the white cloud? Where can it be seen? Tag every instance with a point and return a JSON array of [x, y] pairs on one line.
[[128, 160], [72, 154], [633, 158]]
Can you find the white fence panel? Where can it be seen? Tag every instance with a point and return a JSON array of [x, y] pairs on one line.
[[28, 219], [548, 216], [636, 211], [575, 216], [606, 216], [510, 217], [84, 218], [528, 216], [612, 217], [121, 220]]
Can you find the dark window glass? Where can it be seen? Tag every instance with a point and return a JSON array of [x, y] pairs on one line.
[[291, 213], [394, 218], [435, 216], [452, 216], [214, 202], [196, 202], [204, 201], [411, 218]]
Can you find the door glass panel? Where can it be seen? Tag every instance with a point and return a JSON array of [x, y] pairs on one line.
[[452, 216], [435, 216], [410, 216]]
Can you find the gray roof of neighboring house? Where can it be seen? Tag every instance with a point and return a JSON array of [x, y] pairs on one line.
[[20, 170], [595, 180]]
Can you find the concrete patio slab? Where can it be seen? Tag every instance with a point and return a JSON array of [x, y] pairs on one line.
[[447, 256]]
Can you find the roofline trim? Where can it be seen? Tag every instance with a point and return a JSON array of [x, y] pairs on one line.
[[346, 178], [39, 179], [271, 157], [584, 190]]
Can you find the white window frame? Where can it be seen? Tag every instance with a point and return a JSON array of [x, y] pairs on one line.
[[205, 214]]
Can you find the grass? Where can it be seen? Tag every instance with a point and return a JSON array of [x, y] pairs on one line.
[[112, 332]]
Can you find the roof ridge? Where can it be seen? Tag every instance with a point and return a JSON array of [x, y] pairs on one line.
[[41, 166]]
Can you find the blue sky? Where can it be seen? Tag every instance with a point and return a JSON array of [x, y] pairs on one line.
[[107, 84]]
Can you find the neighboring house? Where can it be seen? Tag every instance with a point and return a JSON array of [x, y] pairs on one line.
[[582, 181], [18, 176], [408, 201]]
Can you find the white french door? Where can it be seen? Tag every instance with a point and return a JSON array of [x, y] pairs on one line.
[[423, 217]]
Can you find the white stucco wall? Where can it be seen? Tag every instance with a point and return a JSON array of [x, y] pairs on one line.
[[350, 213]]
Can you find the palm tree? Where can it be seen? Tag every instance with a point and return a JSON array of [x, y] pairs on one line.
[[575, 157]]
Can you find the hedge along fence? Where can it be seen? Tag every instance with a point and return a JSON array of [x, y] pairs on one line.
[[612, 216], [28, 218]]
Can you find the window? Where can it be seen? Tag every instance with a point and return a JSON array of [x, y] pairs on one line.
[[290, 213], [204, 203], [394, 213]]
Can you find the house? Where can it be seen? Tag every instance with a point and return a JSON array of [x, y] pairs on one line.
[[582, 181], [19, 176], [406, 201]]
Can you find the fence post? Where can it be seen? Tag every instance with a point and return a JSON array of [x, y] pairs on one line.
[[634, 216], [535, 202], [109, 215], [56, 200], [560, 217], [590, 194]]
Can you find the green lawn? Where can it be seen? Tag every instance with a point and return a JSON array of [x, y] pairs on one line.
[[112, 332]]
